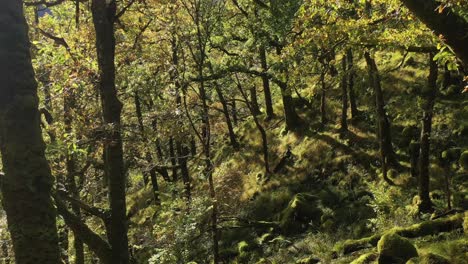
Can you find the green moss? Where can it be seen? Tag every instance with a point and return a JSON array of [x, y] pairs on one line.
[[308, 260], [366, 258], [409, 133], [413, 261], [265, 238], [349, 245], [464, 160], [451, 155], [300, 212], [392, 247], [431, 258]]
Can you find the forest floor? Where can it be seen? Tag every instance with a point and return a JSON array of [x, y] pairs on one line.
[[327, 187]]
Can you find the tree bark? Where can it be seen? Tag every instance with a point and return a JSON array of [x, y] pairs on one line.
[[173, 159], [28, 181], [424, 188], [293, 121], [254, 100], [232, 135], [94, 242], [266, 85], [323, 98], [260, 129], [68, 106], [443, 22], [383, 125], [103, 19], [152, 173], [351, 75], [344, 97]]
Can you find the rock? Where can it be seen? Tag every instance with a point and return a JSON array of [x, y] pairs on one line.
[[451, 155], [308, 260], [300, 212], [394, 249], [413, 261], [410, 132], [431, 258], [366, 258], [464, 160]]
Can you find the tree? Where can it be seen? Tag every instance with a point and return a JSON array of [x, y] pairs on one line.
[[26, 186], [104, 15], [425, 139], [445, 22]]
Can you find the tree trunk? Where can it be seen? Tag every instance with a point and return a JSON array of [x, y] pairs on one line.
[[383, 124], [260, 129], [182, 153], [28, 181], [292, 119], [152, 173], [103, 18], [94, 242], [232, 135], [173, 159], [351, 74], [344, 97], [443, 22], [68, 106], [254, 100], [426, 204], [323, 98], [266, 85], [235, 119]]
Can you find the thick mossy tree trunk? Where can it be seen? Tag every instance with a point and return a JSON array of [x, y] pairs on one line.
[[445, 22], [103, 18], [387, 154], [27, 183], [430, 96], [266, 84]]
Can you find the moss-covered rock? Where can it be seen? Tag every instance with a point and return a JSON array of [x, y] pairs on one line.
[[413, 261], [409, 133], [394, 249], [301, 211], [245, 250], [265, 238], [431, 258], [308, 260], [464, 160], [451, 155], [367, 258]]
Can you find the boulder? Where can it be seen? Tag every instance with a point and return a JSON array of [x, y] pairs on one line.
[[394, 249], [301, 211]]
